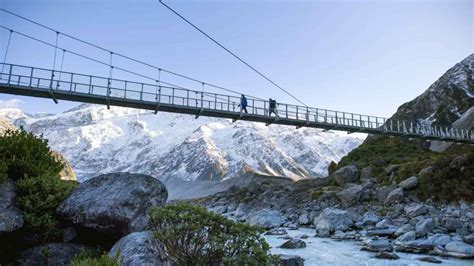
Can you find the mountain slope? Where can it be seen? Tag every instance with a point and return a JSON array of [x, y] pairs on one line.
[[174, 146], [446, 100]]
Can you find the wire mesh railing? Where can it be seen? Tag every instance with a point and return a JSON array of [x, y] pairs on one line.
[[159, 94]]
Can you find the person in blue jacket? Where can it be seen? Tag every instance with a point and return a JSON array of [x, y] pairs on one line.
[[243, 104]]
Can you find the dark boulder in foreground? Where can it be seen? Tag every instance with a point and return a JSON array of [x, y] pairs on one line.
[[52, 254], [139, 248], [114, 204], [11, 218]]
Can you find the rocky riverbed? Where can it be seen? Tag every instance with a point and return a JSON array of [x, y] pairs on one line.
[[386, 220], [324, 251]]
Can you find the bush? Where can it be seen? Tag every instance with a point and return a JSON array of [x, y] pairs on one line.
[[191, 235], [26, 155], [91, 259], [38, 198], [3, 171], [28, 161], [448, 183]]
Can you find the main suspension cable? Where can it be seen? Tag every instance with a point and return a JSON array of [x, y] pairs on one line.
[[233, 54]]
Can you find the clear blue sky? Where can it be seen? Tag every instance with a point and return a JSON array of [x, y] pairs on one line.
[[358, 56]]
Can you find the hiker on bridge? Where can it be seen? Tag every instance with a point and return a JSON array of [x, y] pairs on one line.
[[273, 107], [243, 104]]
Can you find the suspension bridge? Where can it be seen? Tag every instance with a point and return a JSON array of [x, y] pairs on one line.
[[159, 95]]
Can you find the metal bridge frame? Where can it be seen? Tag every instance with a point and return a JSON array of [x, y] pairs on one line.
[[47, 83]]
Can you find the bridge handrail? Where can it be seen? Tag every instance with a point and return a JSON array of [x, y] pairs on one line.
[[256, 107]]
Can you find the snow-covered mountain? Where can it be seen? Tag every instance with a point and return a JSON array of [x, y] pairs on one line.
[[446, 100], [174, 146]]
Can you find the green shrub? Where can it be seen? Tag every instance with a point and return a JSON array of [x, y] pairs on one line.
[[26, 155], [28, 161], [3, 171], [446, 183], [92, 259], [191, 235], [38, 198]]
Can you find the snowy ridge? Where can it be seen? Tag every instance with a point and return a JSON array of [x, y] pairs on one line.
[[175, 146]]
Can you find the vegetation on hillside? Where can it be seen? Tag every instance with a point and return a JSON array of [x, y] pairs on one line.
[[191, 235], [27, 159], [95, 259], [444, 181]]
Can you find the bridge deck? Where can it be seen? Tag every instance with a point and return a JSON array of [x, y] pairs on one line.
[[46, 83]]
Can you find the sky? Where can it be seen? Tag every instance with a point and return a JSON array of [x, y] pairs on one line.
[[358, 56]]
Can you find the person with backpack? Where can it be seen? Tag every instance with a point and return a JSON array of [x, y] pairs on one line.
[[273, 107], [243, 104]]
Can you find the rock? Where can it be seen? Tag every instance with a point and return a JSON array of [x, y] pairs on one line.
[[242, 210], [404, 229], [439, 239], [344, 236], [324, 232], [425, 226], [69, 234], [423, 245], [139, 248], [352, 194], [11, 218], [460, 250], [385, 223], [426, 171], [370, 218], [266, 218], [430, 259], [332, 219], [415, 210], [347, 174], [291, 260], [293, 243], [452, 224], [366, 173], [408, 236], [304, 219], [381, 193], [391, 169], [409, 183], [388, 232], [276, 232], [51, 254], [386, 255], [67, 173], [394, 196], [114, 203], [376, 245], [468, 239], [459, 161]]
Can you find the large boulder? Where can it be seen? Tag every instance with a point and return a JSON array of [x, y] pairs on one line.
[[139, 248], [352, 194], [370, 218], [291, 260], [376, 245], [52, 254], [394, 196], [113, 203], [266, 218], [347, 174], [409, 183], [425, 226], [332, 219], [460, 250], [11, 218], [293, 243], [415, 210]]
